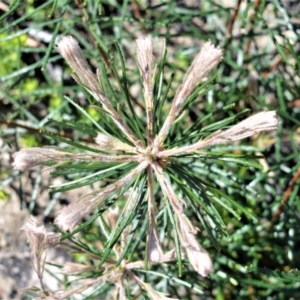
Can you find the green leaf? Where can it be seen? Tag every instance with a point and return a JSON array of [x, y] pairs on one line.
[[68, 142], [223, 123], [78, 126], [88, 116], [122, 223], [233, 203], [140, 213], [89, 179], [106, 204], [176, 239]]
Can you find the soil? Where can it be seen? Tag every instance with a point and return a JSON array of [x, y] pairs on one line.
[[16, 271]]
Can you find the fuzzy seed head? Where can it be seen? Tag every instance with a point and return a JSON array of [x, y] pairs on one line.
[[144, 49], [69, 49], [30, 157], [263, 121]]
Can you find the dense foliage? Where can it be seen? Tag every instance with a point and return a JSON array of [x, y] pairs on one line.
[[248, 191]]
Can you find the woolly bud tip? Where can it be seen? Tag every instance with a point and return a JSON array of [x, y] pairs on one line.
[[263, 121], [108, 143], [144, 49], [28, 158], [68, 47]]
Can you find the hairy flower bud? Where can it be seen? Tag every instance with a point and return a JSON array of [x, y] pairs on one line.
[[208, 57], [108, 143], [68, 47], [30, 157], [263, 121]]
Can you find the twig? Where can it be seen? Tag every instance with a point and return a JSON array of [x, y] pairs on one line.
[[39, 131], [253, 18], [231, 21], [285, 199]]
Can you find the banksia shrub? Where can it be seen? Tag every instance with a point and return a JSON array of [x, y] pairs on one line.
[[157, 163]]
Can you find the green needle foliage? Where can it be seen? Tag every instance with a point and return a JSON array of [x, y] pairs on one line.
[[157, 176], [158, 139]]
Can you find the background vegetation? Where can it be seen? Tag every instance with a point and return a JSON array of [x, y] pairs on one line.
[[259, 71]]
